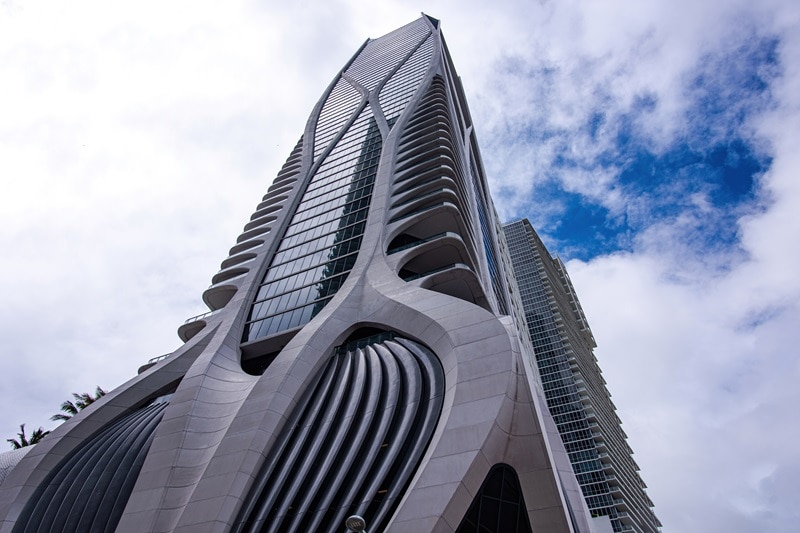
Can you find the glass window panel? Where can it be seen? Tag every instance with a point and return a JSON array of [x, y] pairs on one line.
[[323, 237], [306, 315]]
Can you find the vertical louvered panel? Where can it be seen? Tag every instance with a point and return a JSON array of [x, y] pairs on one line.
[[89, 489], [353, 444]]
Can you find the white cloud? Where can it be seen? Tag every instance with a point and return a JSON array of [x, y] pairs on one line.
[[702, 362], [137, 138]]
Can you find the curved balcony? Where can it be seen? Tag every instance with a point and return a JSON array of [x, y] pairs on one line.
[[429, 177], [245, 245], [404, 241], [217, 296], [272, 209], [438, 140], [190, 327], [290, 169], [442, 176], [425, 255], [249, 234], [433, 109], [425, 189], [187, 331], [458, 281], [270, 200], [237, 259], [422, 223], [261, 221], [425, 130], [153, 360], [422, 163], [424, 201], [278, 188], [230, 273], [423, 210]]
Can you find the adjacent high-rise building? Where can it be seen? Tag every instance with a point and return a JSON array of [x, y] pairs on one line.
[[574, 387], [363, 353]]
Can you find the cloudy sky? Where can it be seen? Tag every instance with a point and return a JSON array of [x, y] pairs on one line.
[[654, 145]]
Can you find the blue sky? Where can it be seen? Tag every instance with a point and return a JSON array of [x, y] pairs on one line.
[[713, 165], [654, 145]]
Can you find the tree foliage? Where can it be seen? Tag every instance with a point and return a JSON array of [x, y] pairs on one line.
[[70, 408], [24, 440], [82, 400]]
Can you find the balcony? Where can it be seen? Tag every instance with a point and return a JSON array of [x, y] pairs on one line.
[[263, 220], [249, 234], [194, 325], [408, 275], [405, 241], [237, 259], [456, 280], [152, 362]]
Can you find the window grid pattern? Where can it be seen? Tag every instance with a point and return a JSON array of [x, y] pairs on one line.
[[340, 105], [321, 243], [382, 55], [495, 274], [394, 96], [558, 381], [590, 430]]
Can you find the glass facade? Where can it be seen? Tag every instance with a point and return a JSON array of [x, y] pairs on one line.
[[488, 244], [353, 431], [340, 106], [394, 96], [320, 245], [574, 388], [383, 55]]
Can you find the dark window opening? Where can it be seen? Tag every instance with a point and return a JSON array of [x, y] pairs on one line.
[[499, 506], [364, 337], [257, 365], [402, 242]]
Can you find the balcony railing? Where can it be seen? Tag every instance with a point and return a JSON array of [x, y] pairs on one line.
[[200, 316], [436, 270], [156, 359], [418, 211], [421, 241]]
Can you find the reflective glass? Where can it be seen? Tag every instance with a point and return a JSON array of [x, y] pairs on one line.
[[382, 55], [321, 242], [499, 505], [401, 86], [488, 244], [339, 106]]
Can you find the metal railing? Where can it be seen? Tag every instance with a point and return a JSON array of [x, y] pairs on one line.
[[158, 358], [420, 241], [436, 270], [200, 316]]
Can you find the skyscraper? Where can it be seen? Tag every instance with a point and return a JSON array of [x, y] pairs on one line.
[[362, 353], [574, 387]]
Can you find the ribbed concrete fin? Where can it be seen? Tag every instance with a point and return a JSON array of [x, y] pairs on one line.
[[353, 444], [89, 489]]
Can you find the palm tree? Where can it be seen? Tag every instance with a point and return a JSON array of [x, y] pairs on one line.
[[23, 441], [82, 400]]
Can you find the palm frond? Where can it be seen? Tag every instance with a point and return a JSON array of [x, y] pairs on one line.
[[82, 400], [23, 439], [38, 435]]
